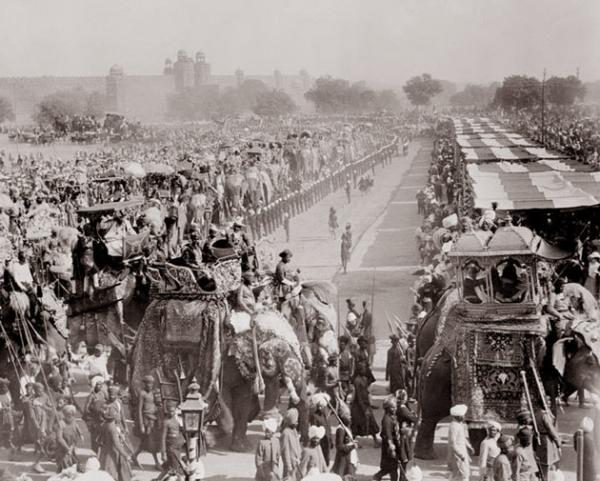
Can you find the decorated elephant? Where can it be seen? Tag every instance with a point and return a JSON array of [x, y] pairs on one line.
[[310, 308], [107, 305], [184, 339], [459, 358], [265, 351]]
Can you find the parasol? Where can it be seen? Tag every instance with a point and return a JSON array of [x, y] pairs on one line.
[[6, 202], [134, 169]]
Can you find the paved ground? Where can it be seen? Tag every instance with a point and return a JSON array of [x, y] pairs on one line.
[[383, 222]]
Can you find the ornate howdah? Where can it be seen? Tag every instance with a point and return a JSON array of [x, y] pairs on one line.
[[487, 369]]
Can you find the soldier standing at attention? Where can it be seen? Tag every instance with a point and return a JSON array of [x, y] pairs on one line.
[[147, 423]]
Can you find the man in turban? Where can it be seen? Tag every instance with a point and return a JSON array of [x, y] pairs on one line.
[[291, 451], [459, 448]]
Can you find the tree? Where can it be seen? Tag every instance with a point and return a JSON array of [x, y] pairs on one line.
[[519, 92], [6, 110], [474, 96], [329, 95], [273, 103], [564, 90], [421, 89], [55, 108]]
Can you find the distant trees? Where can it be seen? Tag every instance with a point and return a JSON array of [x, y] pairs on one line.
[[6, 110], [564, 90], [474, 96], [55, 108], [333, 96], [273, 103], [519, 92], [421, 89]]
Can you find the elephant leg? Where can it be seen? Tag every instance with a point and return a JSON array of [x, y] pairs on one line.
[[425, 437], [435, 400]]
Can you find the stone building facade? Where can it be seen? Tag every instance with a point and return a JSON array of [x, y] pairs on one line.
[[143, 96]]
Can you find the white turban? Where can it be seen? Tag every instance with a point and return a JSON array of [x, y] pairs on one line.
[[320, 399], [587, 424], [494, 424], [270, 425], [316, 432], [96, 380], [458, 411]]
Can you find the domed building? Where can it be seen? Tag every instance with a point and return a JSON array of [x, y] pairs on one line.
[[184, 71]]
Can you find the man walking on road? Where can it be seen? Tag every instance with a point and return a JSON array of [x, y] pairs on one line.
[[348, 188], [346, 247]]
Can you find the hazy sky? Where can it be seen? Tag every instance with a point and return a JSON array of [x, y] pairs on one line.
[[376, 40]]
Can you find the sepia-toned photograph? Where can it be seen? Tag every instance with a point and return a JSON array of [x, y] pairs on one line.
[[284, 240]]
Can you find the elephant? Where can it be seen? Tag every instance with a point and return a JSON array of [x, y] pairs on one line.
[[107, 306], [437, 350], [279, 357], [310, 309], [235, 191], [184, 339]]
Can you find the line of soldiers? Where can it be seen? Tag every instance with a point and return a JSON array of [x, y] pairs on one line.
[[266, 219]]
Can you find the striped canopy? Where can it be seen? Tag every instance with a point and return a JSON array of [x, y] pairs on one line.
[[490, 154], [495, 142], [533, 188]]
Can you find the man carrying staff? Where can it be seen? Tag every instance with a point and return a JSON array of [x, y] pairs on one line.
[[548, 449]]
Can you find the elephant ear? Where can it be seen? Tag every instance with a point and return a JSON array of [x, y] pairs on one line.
[[589, 332]]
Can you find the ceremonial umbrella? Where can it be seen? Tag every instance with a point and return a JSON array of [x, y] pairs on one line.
[[134, 169]]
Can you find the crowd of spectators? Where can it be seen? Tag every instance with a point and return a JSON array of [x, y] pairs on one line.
[[573, 131]]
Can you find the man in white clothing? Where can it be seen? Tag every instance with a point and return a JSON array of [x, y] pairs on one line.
[[459, 448]]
